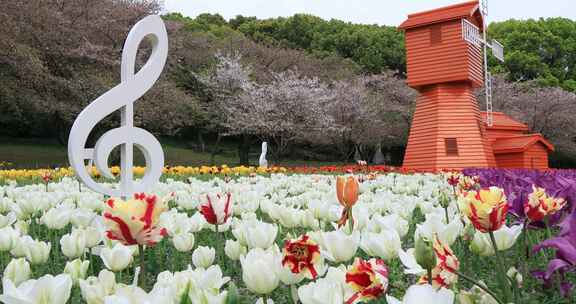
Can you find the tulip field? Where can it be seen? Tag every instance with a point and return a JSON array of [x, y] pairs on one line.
[[310, 236]]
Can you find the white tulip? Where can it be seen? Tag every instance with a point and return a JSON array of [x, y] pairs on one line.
[[82, 217], [8, 238], [514, 275], [46, 290], [435, 226], [175, 223], [22, 227], [7, 220], [74, 244], [209, 297], [77, 270], [93, 236], [27, 207], [340, 247], [289, 278], [17, 271], [108, 280], [289, 217], [418, 294], [56, 218], [409, 261], [135, 295], [203, 257], [260, 269], [320, 209], [384, 245], [475, 295], [361, 217], [197, 222], [37, 252], [234, 250], [389, 222], [116, 258], [323, 291], [505, 239], [309, 221], [255, 234], [261, 301], [183, 242], [95, 289], [19, 247], [5, 203], [92, 291]]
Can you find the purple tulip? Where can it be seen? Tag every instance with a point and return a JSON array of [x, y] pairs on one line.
[[565, 261]]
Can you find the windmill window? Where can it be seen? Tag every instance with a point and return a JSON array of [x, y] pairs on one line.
[[436, 34], [451, 145]]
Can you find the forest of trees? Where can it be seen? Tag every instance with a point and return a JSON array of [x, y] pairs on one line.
[[316, 88]]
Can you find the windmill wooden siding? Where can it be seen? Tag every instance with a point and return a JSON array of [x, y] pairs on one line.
[[522, 151], [452, 59], [447, 111], [448, 129], [535, 157]]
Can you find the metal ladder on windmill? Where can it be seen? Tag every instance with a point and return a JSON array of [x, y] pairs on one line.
[[471, 33]]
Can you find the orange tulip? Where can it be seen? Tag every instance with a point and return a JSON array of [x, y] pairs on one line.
[[347, 192]]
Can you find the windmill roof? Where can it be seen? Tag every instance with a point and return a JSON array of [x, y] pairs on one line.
[[456, 11], [519, 143], [502, 121]]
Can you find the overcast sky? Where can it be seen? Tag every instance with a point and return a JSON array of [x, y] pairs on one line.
[[383, 12]]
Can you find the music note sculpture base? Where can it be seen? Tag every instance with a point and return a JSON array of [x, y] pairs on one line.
[[122, 97]]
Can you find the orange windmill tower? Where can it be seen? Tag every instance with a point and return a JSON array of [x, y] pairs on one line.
[[445, 65]]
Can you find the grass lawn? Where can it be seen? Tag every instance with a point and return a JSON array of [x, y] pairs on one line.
[[42, 153]]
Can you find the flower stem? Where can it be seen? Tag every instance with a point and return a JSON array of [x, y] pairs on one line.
[[526, 253], [488, 291], [265, 299], [142, 266], [548, 231], [447, 217], [351, 220], [429, 276], [501, 271]]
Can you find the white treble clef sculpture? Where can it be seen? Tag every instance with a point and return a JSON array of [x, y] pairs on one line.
[[121, 97], [262, 162]]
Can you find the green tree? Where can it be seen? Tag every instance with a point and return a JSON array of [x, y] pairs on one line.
[[543, 49]]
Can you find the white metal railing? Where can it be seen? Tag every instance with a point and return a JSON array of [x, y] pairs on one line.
[[471, 33], [497, 50]]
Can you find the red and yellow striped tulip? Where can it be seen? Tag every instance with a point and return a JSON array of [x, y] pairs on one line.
[[468, 183], [135, 221], [486, 208], [540, 205], [368, 279], [302, 256]]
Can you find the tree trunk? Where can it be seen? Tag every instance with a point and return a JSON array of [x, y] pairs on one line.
[[244, 150], [201, 142], [215, 150]]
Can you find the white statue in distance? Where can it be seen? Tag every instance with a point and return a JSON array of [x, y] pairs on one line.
[[122, 97], [262, 161]]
